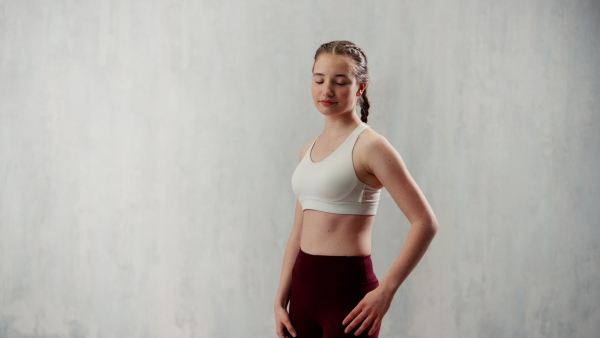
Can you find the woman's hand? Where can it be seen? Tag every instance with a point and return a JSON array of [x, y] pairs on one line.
[[283, 323], [369, 311]]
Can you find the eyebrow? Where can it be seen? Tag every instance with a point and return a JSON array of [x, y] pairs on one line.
[[336, 75]]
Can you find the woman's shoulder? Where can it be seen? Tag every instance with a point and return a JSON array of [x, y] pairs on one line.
[[372, 146], [370, 140]]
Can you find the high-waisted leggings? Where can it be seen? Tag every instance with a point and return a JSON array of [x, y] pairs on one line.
[[324, 291]]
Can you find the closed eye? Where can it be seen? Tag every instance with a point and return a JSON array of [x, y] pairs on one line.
[[339, 84]]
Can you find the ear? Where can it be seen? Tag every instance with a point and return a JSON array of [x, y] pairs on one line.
[[361, 88]]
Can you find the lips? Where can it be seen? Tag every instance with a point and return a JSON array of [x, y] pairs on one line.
[[327, 102]]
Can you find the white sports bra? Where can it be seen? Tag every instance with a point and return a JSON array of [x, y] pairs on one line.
[[331, 185]]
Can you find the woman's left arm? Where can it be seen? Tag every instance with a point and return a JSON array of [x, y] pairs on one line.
[[384, 162]]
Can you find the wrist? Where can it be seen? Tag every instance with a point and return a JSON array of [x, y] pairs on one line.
[[388, 288], [280, 304]]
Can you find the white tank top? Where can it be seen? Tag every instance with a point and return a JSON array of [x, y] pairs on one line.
[[331, 185]]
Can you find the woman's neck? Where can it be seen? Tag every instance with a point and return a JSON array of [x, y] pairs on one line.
[[340, 125]]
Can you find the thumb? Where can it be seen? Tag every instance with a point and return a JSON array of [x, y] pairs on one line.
[[289, 327]]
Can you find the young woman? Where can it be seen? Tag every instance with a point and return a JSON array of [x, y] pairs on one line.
[[327, 275]]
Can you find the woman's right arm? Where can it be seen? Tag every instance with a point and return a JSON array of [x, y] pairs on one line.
[[282, 319], [291, 250]]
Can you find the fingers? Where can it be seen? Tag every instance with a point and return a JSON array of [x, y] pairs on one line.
[[283, 333], [289, 327], [375, 325], [283, 324], [362, 314], [365, 325], [284, 327], [357, 320], [352, 314], [280, 333]]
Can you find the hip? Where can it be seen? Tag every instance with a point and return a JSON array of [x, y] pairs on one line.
[[333, 271]]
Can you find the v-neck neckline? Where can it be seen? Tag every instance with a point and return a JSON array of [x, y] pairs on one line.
[[336, 149]]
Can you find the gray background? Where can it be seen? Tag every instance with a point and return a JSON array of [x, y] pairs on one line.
[[147, 147]]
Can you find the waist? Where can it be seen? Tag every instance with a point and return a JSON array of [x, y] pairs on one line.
[[333, 270], [336, 235]]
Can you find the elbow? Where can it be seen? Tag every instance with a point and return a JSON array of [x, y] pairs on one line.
[[435, 226], [428, 227], [432, 226]]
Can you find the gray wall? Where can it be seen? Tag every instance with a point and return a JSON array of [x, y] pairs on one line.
[[146, 151]]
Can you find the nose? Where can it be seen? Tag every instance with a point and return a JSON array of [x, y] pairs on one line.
[[328, 91]]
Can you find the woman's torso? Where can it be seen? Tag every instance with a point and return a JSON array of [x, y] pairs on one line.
[[334, 234]]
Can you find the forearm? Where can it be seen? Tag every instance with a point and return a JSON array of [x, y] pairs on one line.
[[285, 281], [417, 241]]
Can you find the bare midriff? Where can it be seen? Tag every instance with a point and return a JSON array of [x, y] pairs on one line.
[[330, 234]]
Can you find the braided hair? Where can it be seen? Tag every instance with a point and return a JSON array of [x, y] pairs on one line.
[[361, 71]]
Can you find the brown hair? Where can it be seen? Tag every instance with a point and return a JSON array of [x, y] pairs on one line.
[[349, 49]]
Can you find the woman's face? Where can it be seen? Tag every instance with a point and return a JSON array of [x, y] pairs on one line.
[[334, 86]]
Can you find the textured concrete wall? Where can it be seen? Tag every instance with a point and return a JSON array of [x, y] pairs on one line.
[[146, 150]]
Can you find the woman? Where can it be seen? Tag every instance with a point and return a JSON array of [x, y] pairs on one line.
[[327, 275]]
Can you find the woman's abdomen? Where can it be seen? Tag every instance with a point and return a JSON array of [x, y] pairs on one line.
[[336, 234]]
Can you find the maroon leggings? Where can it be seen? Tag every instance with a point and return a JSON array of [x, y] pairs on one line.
[[324, 291]]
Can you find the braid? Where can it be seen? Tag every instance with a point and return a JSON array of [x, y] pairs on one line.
[[364, 106]]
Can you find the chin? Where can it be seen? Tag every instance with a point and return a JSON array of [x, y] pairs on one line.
[[327, 112]]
